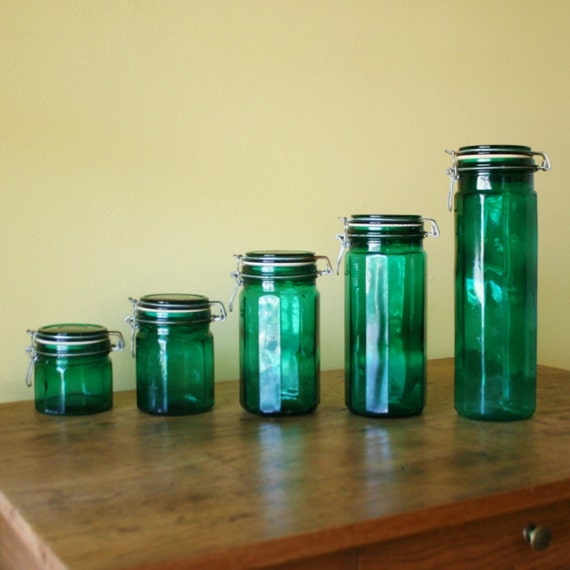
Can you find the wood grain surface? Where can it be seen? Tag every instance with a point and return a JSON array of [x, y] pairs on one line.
[[227, 489]]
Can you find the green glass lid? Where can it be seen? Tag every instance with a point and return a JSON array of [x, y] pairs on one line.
[[173, 301], [388, 225], [174, 308], [280, 256], [497, 156], [71, 331], [279, 263], [377, 221], [488, 149]]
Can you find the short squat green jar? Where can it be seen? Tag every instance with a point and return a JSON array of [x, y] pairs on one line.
[[174, 352], [385, 267], [495, 280], [71, 368], [279, 331]]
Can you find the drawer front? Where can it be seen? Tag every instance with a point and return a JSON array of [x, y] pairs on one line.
[[496, 542]]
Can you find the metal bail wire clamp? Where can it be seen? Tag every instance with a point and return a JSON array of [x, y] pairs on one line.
[[31, 351], [328, 270], [453, 177], [344, 244], [120, 341], [239, 281], [222, 316], [545, 161], [132, 321], [434, 232]]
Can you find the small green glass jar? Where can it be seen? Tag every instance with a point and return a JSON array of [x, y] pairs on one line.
[[385, 266], [495, 280], [279, 331], [72, 369], [174, 351]]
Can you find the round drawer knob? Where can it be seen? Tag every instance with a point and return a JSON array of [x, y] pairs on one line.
[[538, 536]]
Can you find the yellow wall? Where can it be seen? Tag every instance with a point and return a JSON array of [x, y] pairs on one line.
[[142, 143]]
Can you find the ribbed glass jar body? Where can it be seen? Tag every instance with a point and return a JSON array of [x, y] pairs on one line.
[[385, 360], [279, 333], [72, 369], [495, 283], [174, 351]]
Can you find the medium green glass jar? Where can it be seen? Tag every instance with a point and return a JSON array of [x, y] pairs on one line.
[[385, 267], [495, 280], [279, 331], [71, 368], [174, 351]]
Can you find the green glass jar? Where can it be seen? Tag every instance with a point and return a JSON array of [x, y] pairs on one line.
[[174, 352], [385, 267], [279, 331], [495, 280], [71, 368]]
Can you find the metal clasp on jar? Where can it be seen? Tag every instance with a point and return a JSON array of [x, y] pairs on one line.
[[237, 278], [120, 341], [31, 351], [222, 315], [434, 232], [344, 244], [453, 177], [132, 322], [328, 270]]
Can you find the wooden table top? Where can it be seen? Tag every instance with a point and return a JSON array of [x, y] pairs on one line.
[[226, 489]]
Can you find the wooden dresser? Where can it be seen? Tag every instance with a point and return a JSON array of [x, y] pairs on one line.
[[331, 490]]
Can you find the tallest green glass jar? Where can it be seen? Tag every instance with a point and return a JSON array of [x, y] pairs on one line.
[[385, 268], [279, 331], [495, 280]]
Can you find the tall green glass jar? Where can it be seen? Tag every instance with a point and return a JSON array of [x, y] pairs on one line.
[[385, 268], [279, 331], [71, 368], [174, 352], [495, 280]]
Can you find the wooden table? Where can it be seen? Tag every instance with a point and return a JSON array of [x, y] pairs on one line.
[[228, 489]]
